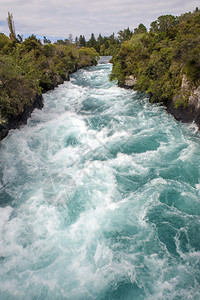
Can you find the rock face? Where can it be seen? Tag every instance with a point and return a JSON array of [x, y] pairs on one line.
[[194, 93], [191, 113], [16, 122], [194, 99], [129, 83]]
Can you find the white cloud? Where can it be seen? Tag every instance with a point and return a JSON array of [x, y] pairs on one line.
[[61, 17]]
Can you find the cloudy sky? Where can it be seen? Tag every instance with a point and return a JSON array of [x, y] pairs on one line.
[[58, 18]]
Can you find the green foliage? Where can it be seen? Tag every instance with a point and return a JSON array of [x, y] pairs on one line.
[[28, 68], [4, 41], [182, 100], [92, 43], [6, 46], [16, 91], [192, 69], [159, 59], [87, 56], [62, 42], [163, 23], [31, 43], [82, 41], [107, 46], [125, 35], [140, 29]]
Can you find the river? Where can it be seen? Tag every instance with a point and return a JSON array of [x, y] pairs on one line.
[[100, 198]]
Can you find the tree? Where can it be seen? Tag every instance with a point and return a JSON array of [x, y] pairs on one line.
[[112, 39], [100, 40], [32, 43], [92, 43], [125, 35], [82, 41], [163, 23], [140, 29], [61, 42], [154, 27], [11, 27]]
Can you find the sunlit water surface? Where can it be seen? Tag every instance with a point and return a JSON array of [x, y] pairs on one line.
[[100, 198]]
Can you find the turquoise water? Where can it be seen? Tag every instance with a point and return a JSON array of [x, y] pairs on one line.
[[100, 198]]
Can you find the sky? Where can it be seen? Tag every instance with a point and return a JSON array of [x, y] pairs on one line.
[[59, 18]]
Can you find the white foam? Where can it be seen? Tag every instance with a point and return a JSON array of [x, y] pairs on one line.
[[5, 213], [73, 222], [187, 153], [103, 255], [193, 127], [158, 181], [127, 164]]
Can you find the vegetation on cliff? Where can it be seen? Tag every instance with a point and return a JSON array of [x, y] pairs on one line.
[[28, 68], [158, 59]]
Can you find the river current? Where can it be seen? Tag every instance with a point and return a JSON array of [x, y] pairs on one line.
[[100, 198]]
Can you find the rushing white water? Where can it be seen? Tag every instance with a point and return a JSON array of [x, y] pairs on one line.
[[100, 198]]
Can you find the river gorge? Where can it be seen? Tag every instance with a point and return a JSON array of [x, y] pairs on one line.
[[99, 197]]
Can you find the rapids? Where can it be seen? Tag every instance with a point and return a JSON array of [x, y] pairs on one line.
[[100, 198]]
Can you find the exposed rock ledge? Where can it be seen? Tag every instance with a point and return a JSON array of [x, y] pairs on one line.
[[129, 83], [192, 112]]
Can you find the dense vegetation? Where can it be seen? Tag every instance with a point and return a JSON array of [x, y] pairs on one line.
[[28, 68], [158, 59], [105, 46]]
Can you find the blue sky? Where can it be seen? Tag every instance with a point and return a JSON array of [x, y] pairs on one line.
[[59, 18]]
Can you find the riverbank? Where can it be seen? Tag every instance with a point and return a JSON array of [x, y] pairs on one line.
[[189, 114], [29, 69], [186, 114], [15, 122], [164, 63]]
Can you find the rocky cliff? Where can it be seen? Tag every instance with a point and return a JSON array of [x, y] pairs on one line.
[[186, 106]]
